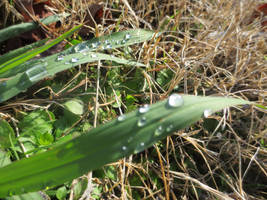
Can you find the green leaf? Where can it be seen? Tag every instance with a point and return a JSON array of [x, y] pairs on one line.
[[5, 160], [75, 106], [45, 139], [15, 30], [111, 172], [6, 133], [15, 62], [17, 52], [37, 123], [121, 137], [31, 72], [79, 188], [62, 193], [112, 41], [29, 196]]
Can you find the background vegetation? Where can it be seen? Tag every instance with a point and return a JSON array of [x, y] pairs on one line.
[[209, 48]]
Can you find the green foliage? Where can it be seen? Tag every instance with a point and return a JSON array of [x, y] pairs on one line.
[[6, 134], [15, 30], [75, 106], [124, 136], [22, 75], [62, 193], [74, 151], [79, 188]]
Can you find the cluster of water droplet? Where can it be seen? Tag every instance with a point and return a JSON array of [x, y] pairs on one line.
[[142, 120], [86, 48]]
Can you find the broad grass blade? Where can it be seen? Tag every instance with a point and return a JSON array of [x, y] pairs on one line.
[[49, 67], [15, 30], [12, 54], [4, 160], [28, 55], [121, 137]]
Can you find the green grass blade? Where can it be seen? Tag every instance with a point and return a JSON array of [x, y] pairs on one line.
[[49, 67], [10, 55], [15, 30], [112, 41], [137, 36], [28, 55], [122, 137], [4, 160]]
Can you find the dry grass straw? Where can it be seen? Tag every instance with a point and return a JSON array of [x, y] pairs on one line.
[[212, 50]]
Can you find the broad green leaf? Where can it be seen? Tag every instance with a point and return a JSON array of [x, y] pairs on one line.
[[37, 123], [6, 133], [15, 62], [15, 30], [33, 71], [5, 160], [22, 81], [10, 55], [112, 41], [121, 137]]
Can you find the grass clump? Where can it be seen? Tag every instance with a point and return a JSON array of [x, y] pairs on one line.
[[209, 48]]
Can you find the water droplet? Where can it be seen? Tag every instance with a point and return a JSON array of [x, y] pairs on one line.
[[139, 147], [124, 148], [123, 41], [144, 109], [93, 55], [175, 100], [159, 131], [84, 50], [108, 46], [60, 58], [121, 118], [117, 42], [94, 45], [207, 113], [107, 42], [67, 63], [130, 139], [74, 60], [76, 48], [37, 72], [141, 122], [127, 36], [169, 128]]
